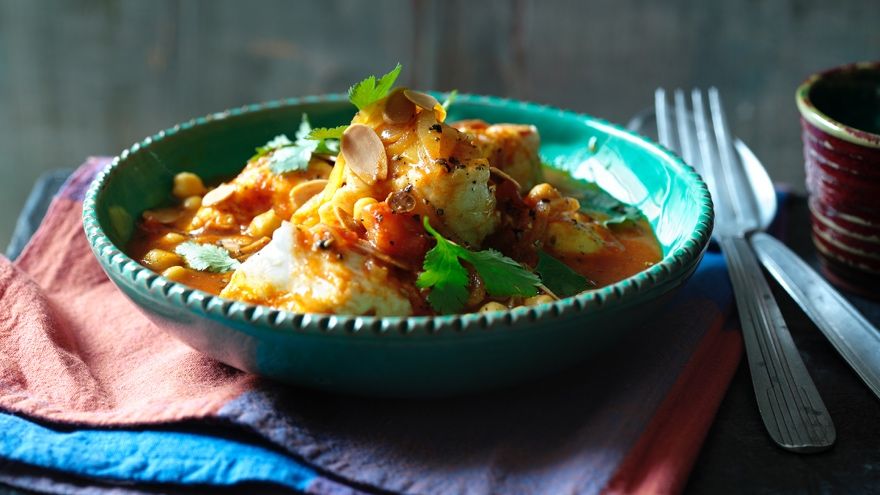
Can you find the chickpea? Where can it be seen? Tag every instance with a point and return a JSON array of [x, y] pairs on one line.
[[226, 221], [539, 299], [172, 239], [492, 306], [565, 205], [192, 202], [188, 184], [543, 192], [264, 224], [176, 273], [159, 259]]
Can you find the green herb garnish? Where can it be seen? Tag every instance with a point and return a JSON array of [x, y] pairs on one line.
[[448, 278], [206, 257], [559, 278], [277, 142], [595, 198], [369, 90], [327, 138], [291, 156], [322, 133], [450, 99]]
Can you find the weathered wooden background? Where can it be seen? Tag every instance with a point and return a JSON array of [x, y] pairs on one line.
[[87, 77]]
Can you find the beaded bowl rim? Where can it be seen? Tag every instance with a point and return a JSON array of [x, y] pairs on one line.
[[674, 266]]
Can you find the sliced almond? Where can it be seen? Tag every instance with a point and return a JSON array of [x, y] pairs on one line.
[[500, 174], [426, 101], [255, 246], [304, 191], [364, 153], [218, 194], [365, 247], [398, 108], [163, 215], [231, 245], [346, 220]]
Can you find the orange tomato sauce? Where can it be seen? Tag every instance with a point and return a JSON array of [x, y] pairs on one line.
[[633, 246], [639, 250]]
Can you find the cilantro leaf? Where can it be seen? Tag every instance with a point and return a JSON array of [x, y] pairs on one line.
[[448, 278], [291, 156], [324, 133], [369, 90], [503, 276], [206, 257], [627, 213], [617, 211], [305, 128], [594, 198], [278, 141], [450, 99], [328, 139], [559, 278]]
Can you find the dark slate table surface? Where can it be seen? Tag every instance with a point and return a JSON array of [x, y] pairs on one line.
[[738, 456]]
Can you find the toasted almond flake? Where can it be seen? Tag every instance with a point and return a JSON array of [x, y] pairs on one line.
[[548, 291], [346, 220], [365, 247], [364, 153], [500, 174], [255, 246], [218, 194], [304, 191], [398, 108], [162, 215], [426, 101], [231, 245]]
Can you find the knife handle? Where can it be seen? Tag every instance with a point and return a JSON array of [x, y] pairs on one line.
[[848, 331], [790, 405]]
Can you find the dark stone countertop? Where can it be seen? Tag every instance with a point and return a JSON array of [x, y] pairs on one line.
[[739, 457]]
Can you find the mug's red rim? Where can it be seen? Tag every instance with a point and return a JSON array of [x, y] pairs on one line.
[[825, 123]]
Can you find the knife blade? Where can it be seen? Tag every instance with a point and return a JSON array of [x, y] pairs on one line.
[[854, 337]]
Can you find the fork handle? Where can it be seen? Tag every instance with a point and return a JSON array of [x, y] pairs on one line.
[[790, 405]]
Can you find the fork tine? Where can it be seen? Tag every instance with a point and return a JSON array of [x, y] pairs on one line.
[[707, 150], [731, 170], [664, 124], [685, 136]]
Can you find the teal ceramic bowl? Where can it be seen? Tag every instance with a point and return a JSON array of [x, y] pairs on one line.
[[401, 356]]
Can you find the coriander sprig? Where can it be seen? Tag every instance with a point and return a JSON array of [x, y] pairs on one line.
[[448, 278], [450, 99], [206, 257], [291, 156], [559, 278], [370, 90]]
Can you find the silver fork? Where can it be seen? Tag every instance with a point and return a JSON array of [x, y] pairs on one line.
[[788, 401]]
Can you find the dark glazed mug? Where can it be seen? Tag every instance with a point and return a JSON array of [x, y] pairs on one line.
[[840, 117]]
